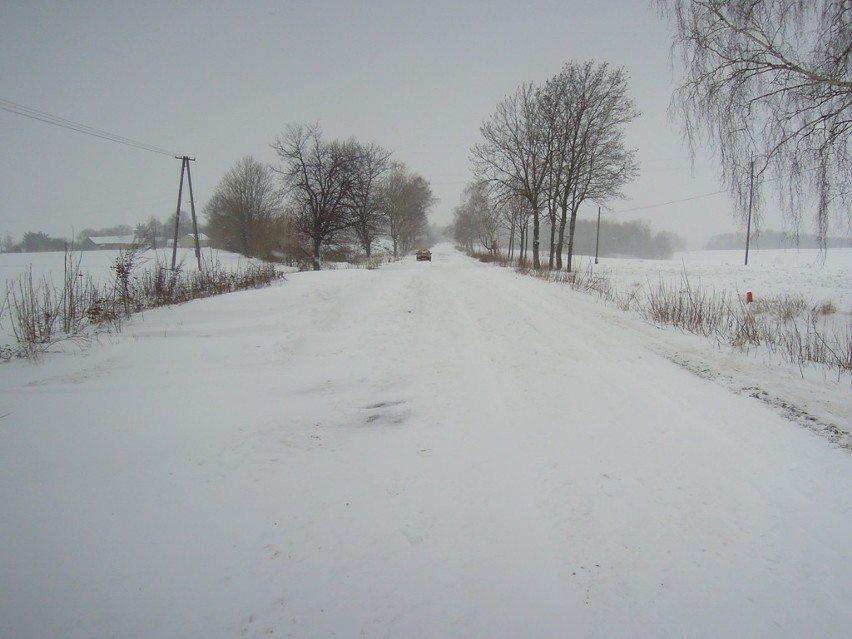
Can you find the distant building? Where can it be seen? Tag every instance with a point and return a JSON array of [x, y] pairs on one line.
[[109, 242], [188, 241]]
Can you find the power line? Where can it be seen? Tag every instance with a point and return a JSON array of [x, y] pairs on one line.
[[695, 197], [42, 116], [686, 199]]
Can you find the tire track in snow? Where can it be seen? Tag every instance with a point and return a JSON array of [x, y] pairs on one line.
[[640, 491], [506, 561]]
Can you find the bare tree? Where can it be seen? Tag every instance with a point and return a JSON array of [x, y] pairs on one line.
[[515, 153], [372, 163], [515, 217], [463, 228], [147, 233], [319, 178], [478, 218], [244, 208], [586, 106], [405, 199], [770, 82]]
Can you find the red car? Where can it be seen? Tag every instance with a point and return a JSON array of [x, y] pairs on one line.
[[424, 255]]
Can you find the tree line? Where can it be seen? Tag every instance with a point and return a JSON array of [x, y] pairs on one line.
[[150, 234], [767, 85], [545, 150], [321, 192], [488, 228], [775, 240], [320, 196]]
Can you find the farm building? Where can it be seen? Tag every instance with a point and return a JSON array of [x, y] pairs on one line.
[[188, 241], [112, 242]]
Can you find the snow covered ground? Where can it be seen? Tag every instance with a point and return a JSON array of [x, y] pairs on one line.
[[98, 264], [818, 276], [442, 449]]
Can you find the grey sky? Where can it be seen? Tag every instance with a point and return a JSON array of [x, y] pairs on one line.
[[219, 80]]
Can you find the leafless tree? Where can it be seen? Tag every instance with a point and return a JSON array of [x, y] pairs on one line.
[[586, 107], [372, 163], [319, 179], [478, 218], [515, 217], [770, 81], [463, 229], [244, 208], [147, 233], [515, 153], [405, 199]]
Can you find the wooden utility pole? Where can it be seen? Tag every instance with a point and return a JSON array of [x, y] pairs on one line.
[[598, 235], [184, 169], [750, 200]]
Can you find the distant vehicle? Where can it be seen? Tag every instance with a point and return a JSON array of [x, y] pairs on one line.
[[424, 255]]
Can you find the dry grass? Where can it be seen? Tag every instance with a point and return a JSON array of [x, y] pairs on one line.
[[42, 315], [788, 325]]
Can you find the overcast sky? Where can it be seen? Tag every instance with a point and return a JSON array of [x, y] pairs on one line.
[[220, 80]]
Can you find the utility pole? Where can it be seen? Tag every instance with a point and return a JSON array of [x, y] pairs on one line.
[[184, 169], [598, 234], [750, 200]]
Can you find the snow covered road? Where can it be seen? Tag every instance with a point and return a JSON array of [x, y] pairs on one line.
[[439, 449]]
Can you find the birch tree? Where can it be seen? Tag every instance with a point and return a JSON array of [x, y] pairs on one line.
[[405, 199], [587, 108], [515, 153], [478, 217], [770, 82]]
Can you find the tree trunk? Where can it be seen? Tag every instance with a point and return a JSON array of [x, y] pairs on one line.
[[536, 231], [563, 218], [551, 214], [317, 244], [244, 239], [571, 237]]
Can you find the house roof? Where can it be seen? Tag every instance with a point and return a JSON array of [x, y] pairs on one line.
[[112, 239]]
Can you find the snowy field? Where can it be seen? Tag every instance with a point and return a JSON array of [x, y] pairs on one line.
[[815, 275], [444, 449], [98, 264]]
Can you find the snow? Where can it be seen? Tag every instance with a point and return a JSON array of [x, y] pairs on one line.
[[442, 449], [98, 264], [819, 276]]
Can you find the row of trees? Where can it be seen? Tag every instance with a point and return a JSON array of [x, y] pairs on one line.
[[321, 191], [153, 233], [482, 223], [33, 242], [775, 240], [767, 84], [547, 149]]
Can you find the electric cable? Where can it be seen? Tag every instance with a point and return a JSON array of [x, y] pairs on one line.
[[42, 116]]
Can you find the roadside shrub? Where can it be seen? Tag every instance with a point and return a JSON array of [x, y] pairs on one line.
[[693, 309], [42, 315], [488, 257], [827, 308], [787, 325]]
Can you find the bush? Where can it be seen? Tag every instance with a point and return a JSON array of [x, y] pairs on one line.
[[42, 315], [789, 325]]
